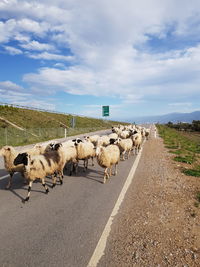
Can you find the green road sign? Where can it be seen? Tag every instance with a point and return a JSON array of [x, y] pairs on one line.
[[105, 111]]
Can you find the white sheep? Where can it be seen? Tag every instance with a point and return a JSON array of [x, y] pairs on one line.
[[9, 154], [125, 134], [137, 141], [68, 153], [103, 140], [39, 166], [85, 150], [92, 138], [106, 158], [113, 135], [125, 146]]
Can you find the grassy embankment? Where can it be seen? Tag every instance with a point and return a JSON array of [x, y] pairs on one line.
[[41, 126], [185, 147]]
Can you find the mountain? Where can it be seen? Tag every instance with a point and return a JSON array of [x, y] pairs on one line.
[[173, 117]]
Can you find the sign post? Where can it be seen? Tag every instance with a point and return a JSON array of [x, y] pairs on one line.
[[105, 111]]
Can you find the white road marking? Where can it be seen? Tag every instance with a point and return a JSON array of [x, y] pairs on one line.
[[1, 178], [99, 250]]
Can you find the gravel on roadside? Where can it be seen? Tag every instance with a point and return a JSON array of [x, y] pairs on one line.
[[158, 223]]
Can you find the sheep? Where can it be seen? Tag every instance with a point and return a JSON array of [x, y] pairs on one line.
[[106, 158], [137, 141], [125, 134], [39, 166], [125, 146], [85, 150], [68, 152], [147, 132], [9, 154], [113, 135], [103, 140], [92, 138]]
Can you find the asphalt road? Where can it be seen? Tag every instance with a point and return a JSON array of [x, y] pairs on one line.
[[61, 228]]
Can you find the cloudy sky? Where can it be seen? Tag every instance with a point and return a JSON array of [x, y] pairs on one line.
[[139, 57]]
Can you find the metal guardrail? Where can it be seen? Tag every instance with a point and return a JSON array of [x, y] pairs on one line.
[[44, 110]]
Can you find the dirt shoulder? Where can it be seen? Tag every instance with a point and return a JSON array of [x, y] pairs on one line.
[[158, 223]]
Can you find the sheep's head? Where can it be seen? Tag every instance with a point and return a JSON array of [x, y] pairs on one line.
[[6, 150], [22, 158], [56, 146], [77, 141]]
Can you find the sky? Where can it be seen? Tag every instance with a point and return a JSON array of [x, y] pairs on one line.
[[141, 58]]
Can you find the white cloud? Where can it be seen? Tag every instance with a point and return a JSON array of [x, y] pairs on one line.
[[50, 56], [111, 43], [12, 50], [35, 45], [10, 86]]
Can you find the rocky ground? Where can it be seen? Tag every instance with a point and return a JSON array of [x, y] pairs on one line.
[[159, 221]]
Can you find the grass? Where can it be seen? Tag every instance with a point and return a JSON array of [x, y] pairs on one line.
[[42, 126], [197, 202], [185, 147]]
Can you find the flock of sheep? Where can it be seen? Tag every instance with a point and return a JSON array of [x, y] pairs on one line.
[[50, 159]]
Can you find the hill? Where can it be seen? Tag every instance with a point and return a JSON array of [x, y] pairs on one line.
[[173, 117], [19, 126]]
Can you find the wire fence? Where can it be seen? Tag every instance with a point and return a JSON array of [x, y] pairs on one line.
[[15, 137]]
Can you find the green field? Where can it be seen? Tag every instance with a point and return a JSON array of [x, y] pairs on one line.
[[41, 126], [184, 146]]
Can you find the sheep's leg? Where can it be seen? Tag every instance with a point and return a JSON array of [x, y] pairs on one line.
[[92, 161], [111, 170], [115, 169], [29, 191], [123, 155], [85, 164], [44, 185], [54, 180], [72, 168], [10, 180], [106, 175], [61, 177]]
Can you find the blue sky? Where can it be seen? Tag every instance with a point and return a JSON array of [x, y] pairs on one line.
[[139, 57]]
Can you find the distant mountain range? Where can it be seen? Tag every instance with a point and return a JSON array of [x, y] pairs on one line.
[[173, 117]]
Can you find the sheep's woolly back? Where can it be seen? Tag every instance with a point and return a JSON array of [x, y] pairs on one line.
[[107, 156], [42, 165], [93, 139], [68, 152], [9, 154], [125, 144], [137, 139], [85, 150], [113, 135], [103, 140], [125, 134]]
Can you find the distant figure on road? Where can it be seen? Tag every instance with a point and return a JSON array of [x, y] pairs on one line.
[[155, 132]]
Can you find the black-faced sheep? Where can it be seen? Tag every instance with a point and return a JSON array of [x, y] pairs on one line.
[[85, 151], [9, 154], [39, 166], [125, 146]]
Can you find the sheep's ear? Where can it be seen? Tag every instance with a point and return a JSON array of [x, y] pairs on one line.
[[56, 147], [8, 148]]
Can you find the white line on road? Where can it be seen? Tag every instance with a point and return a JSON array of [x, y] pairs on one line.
[[99, 250], [1, 178]]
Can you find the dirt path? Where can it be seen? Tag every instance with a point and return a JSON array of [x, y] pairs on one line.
[[158, 223]]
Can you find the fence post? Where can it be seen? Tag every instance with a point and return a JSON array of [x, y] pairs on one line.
[[65, 133]]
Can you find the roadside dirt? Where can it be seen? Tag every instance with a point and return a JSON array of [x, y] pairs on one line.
[[158, 223]]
